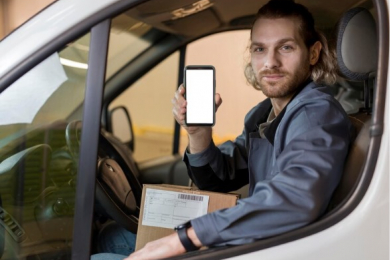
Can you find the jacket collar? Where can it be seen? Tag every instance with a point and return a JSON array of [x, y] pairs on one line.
[[270, 131]]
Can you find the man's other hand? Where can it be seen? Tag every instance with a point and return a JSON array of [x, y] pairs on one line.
[[164, 247]]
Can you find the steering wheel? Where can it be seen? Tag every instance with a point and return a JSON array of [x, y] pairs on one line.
[[118, 189]]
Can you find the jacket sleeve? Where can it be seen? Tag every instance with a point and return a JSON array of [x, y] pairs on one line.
[[305, 175], [221, 169], [225, 168]]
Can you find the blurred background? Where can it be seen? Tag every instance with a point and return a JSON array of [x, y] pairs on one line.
[[15, 12]]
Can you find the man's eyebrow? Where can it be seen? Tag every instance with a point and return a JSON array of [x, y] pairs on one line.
[[287, 40], [284, 40], [256, 43]]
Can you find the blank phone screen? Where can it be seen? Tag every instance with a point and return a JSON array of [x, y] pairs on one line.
[[200, 96]]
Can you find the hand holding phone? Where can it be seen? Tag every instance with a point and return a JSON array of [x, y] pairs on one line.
[[199, 83]]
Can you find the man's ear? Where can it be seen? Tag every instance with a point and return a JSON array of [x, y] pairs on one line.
[[315, 51]]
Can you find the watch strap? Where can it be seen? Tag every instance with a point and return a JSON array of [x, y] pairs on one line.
[[185, 240]]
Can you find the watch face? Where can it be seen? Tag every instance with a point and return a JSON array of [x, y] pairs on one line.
[[180, 227], [184, 225]]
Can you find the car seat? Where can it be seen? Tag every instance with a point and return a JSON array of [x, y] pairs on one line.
[[357, 57]]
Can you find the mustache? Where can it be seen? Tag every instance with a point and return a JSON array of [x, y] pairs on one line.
[[267, 72]]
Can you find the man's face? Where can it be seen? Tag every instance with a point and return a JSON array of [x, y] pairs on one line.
[[279, 56]]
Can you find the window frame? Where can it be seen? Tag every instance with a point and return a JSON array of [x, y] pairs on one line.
[[85, 190]]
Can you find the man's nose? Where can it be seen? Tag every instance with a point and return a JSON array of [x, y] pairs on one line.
[[272, 61]]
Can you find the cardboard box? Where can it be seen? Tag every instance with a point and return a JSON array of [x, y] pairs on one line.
[[166, 206]]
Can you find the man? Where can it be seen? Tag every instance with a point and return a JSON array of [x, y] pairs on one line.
[[292, 148]]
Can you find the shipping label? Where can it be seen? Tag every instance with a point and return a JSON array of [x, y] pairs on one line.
[[168, 209]]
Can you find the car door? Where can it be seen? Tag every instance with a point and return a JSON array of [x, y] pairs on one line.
[[48, 148]]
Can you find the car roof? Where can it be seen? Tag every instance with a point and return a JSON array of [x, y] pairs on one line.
[[222, 14]]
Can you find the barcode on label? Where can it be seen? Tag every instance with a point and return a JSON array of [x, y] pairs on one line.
[[190, 197]]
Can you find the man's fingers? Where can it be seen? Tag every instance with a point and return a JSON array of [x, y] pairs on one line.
[[180, 92], [179, 105], [218, 100], [179, 115], [182, 89]]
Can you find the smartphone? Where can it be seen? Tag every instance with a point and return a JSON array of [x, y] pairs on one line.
[[199, 83]]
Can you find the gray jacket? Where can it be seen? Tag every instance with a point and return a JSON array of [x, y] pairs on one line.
[[292, 173]]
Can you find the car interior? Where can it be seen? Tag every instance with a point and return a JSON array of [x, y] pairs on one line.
[[39, 161]]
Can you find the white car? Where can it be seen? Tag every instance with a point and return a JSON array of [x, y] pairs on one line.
[[71, 76]]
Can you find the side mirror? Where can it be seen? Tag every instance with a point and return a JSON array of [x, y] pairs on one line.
[[119, 124]]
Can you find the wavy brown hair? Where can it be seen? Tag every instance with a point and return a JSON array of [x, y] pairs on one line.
[[325, 70]]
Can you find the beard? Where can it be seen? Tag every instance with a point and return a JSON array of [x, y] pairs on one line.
[[285, 87]]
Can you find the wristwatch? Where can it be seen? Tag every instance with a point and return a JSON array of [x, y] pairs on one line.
[[183, 236]]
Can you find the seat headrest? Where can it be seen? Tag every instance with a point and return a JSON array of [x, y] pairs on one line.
[[357, 44]]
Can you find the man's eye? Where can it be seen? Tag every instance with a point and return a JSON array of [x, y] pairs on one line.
[[287, 48], [258, 49]]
